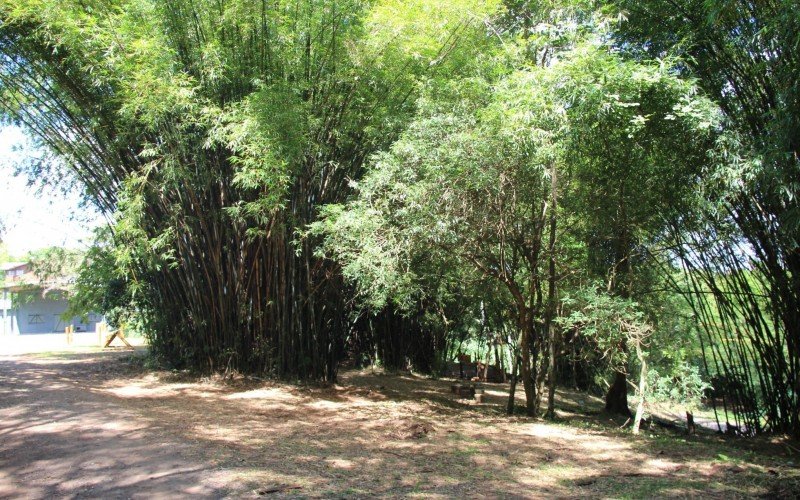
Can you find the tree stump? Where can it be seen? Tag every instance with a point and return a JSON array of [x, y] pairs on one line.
[[690, 427]]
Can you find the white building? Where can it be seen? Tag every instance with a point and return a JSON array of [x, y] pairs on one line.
[[29, 306]]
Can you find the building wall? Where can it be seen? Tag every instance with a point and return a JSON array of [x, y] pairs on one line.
[[5, 310], [32, 313], [6, 324]]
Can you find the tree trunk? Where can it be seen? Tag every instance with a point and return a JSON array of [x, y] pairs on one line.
[[690, 427], [488, 360], [551, 375], [637, 420], [552, 305], [617, 396], [499, 360], [512, 390], [528, 383]]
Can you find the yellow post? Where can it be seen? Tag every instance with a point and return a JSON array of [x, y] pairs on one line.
[[68, 331], [101, 329]]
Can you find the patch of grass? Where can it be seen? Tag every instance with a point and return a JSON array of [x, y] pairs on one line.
[[66, 353], [554, 468], [636, 486], [651, 487], [143, 360], [466, 452]]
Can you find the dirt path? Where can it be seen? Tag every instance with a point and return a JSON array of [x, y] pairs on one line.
[[62, 438], [97, 425]]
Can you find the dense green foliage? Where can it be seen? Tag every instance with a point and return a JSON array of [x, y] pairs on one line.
[[742, 243], [54, 264], [583, 190], [98, 285], [213, 131]]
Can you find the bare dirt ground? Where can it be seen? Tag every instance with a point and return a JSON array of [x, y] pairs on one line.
[[96, 424]]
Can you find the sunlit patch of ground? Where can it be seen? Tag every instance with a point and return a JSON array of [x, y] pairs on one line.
[[55, 345], [375, 434]]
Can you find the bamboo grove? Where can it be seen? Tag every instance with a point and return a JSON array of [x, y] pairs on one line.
[[581, 189], [742, 253], [216, 129]]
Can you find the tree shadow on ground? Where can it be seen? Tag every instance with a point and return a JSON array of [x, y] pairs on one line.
[[141, 434], [60, 441]]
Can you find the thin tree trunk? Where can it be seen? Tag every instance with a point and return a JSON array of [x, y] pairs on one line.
[[551, 375], [528, 383], [486, 365], [512, 390], [498, 360], [551, 297], [637, 420]]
